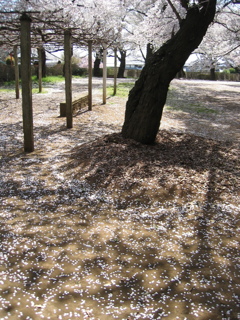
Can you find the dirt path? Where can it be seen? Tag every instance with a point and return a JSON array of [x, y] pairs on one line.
[[211, 110], [97, 227], [206, 108]]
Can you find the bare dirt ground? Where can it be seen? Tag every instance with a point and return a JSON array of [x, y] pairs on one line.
[[97, 227]]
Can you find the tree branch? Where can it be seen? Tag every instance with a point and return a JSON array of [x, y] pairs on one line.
[[227, 53], [142, 53], [175, 11], [138, 11]]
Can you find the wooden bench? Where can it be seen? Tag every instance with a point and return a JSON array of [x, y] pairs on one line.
[[76, 105]]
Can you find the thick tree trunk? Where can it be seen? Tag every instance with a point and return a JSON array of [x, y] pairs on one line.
[[148, 96], [122, 66]]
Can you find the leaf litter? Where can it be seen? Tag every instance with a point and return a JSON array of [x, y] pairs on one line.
[[97, 227]]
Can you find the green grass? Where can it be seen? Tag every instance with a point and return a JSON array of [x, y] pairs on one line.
[[52, 79], [192, 108], [6, 90], [177, 102], [205, 110], [9, 83], [48, 79], [36, 90], [122, 89]]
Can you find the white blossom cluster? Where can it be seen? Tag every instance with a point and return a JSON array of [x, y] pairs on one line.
[[125, 24]]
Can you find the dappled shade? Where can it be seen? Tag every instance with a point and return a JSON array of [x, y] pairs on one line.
[[94, 225], [124, 229]]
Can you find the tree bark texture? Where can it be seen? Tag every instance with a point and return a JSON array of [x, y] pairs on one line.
[[147, 98]]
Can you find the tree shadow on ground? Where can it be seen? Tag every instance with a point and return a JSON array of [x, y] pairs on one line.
[[175, 162], [124, 167], [204, 109], [72, 248], [117, 229]]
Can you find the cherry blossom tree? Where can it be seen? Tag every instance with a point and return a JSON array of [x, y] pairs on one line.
[[148, 96], [127, 43], [88, 20], [221, 44], [177, 27]]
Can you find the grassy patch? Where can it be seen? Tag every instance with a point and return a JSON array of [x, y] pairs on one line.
[[180, 102], [49, 79], [192, 108], [46, 80], [54, 79], [205, 110], [9, 83], [36, 90], [122, 89], [6, 90]]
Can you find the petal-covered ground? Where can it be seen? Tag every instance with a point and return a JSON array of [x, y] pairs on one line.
[[97, 227]]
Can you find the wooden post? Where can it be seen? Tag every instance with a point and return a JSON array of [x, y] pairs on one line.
[[25, 38], [16, 68], [68, 77], [104, 74], [90, 75], [40, 69], [115, 72]]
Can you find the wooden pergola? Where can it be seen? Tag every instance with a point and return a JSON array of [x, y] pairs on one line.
[[26, 46]]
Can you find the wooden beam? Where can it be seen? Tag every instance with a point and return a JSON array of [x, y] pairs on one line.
[[89, 75], [104, 74], [40, 70], [68, 77], [25, 38], [16, 68], [115, 72]]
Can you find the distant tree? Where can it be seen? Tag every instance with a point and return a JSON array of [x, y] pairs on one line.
[[221, 45], [97, 62], [122, 59]]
